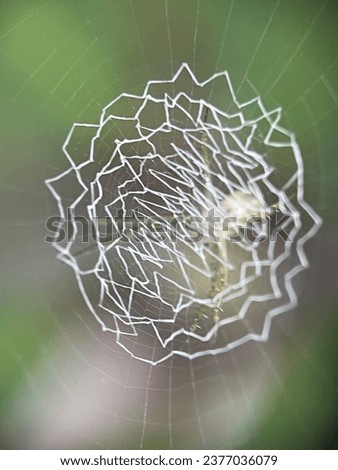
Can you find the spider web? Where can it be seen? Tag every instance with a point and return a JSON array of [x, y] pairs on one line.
[[83, 390], [178, 165]]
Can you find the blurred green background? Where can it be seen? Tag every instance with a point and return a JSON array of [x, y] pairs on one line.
[[63, 384]]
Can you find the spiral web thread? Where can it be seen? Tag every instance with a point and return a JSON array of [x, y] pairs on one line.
[[167, 155]]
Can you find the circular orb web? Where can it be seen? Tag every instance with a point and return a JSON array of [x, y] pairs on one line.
[[142, 190]]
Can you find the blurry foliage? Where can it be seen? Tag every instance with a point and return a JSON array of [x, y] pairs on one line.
[[62, 61]]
